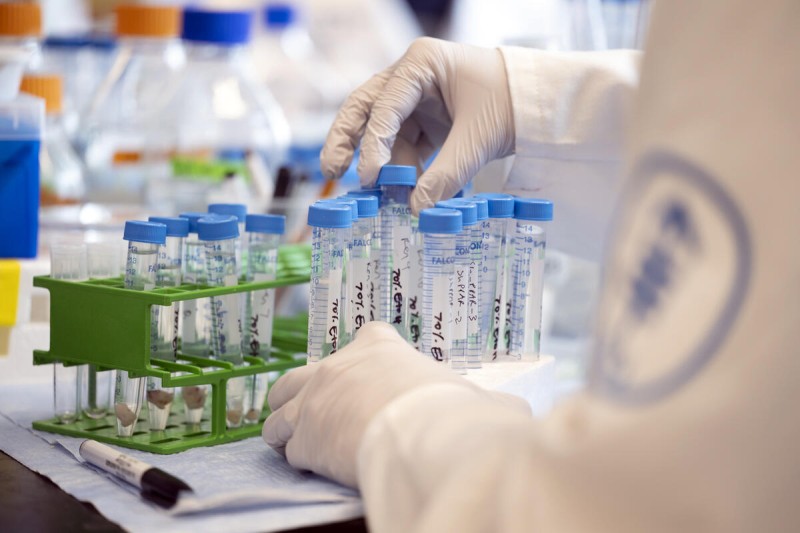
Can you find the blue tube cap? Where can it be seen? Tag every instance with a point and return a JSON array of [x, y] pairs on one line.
[[330, 215], [367, 205], [275, 224], [500, 205], [278, 16], [192, 217], [483, 207], [469, 211], [217, 228], [141, 231], [397, 175], [234, 210], [349, 202], [216, 27], [533, 209], [176, 226], [372, 191], [440, 220]]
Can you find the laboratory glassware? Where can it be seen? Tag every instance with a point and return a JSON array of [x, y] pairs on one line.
[[141, 271], [374, 253], [495, 259], [531, 216], [475, 338], [67, 262], [331, 226], [462, 284], [264, 234], [361, 260], [240, 212], [21, 27], [439, 228], [397, 238], [219, 235]]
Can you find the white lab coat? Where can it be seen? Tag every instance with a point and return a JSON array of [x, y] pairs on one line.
[[688, 423]]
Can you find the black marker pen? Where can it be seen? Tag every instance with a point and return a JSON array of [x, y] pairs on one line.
[[156, 485]]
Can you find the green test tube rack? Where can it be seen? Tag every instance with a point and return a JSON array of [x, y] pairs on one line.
[[99, 322]]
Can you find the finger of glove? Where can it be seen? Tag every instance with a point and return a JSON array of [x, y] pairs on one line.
[[399, 98], [457, 162], [289, 385], [279, 427], [348, 126], [512, 401]]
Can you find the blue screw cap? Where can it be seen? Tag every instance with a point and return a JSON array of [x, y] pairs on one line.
[[217, 27], [217, 228], [440, 220], [372, 191], [176, 226], [192, 217], [141, 231], [483, 207], [279, 16], [397, 175], [367, 205], [469, 211], [533, 209], [500, 205], [349, 202], [235, 210], [275, 224], [330, 215]]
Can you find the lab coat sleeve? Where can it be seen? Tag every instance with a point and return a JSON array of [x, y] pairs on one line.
[[570, 112]]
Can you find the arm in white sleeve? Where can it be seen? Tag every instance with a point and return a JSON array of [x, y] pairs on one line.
[[570, 115]]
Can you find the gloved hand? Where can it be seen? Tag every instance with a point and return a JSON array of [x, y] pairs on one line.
[[438, 94], [320, 412]]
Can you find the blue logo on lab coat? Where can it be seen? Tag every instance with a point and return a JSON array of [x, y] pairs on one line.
[[680, 272]]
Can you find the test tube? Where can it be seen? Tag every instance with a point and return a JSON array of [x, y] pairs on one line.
[[397, 239], [144, 239], [165, 319], [501, 208], [219, 235], [461, 283], [67, 262], [374, 252], [331, 226], [530, 238], [360, 266], [240, 212], [475, 338], [346, 325], [195, 323], [97, 388], [264, 235], [438, 228]]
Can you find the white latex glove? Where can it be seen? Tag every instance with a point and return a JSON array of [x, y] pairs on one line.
[[320, 412], [438, 94]]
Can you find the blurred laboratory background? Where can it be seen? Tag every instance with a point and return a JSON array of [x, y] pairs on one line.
[[159, 108]]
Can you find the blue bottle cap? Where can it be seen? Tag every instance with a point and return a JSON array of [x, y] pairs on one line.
[[440, 220], [351, 203], [235, 210], [176, 226], [371, 191], [217, 228], [141, 231], [469, 211], [397, 175], [217, 27], [500, 205], [533, 209], [483, 207], [367, 205], [275, 224], [192, 217], [278, 16], [329, 215]]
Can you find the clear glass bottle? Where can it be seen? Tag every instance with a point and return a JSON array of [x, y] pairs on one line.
[[231, 134], [21, 27], [126, 132], [61, 178]]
